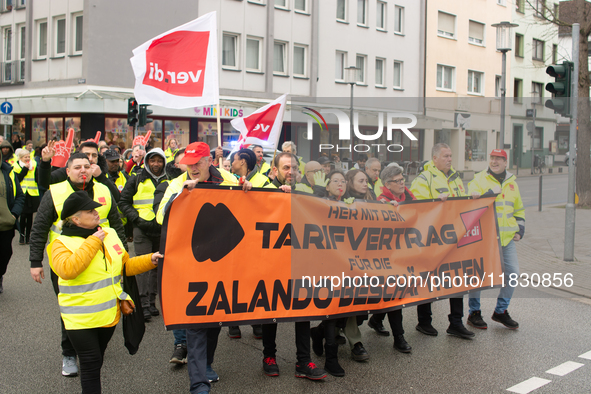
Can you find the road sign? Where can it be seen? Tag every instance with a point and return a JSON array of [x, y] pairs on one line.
[[529, 113], [530, 126], [6, 119], [6, 107]]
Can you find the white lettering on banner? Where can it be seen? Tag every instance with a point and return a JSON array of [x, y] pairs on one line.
[[262, 126], [345, 125], [182, 77]]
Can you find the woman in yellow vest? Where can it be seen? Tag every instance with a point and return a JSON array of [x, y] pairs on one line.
[[89, 262], [26, 172]]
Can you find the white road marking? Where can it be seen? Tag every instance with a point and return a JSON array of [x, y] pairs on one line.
[[528, 385], [564, 368], [586, 355]]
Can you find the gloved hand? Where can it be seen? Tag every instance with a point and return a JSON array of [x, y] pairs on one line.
[[320, 179], [349, 200], [144, 225]]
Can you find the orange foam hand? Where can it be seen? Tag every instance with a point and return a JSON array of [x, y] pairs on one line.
[[62, 150], [142, 140]]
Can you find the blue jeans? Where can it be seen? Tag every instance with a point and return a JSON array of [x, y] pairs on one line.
[[510, 266], [180, 337], [197, 359]]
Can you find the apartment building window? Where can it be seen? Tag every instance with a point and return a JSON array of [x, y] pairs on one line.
[[540, 7], [300, 5], [381, 15], [20, 3], [362, 12], [253, 54], [554, 53], [537, 50], [501, 2], [537, 92], [556, 11], [520, 5], [279, 58], [340, 61], [445, 77], [517, 90], [60, 36], [446, 25], [475, 82], [342, 10], [299, 60], [398, 19], [538, 137], [397, 77], [518, 45], [42, 43], [77, 32], [7, 74], [360, 64], [380, 72], [476, 33], [497, 86], [281, 4], [230, 50], [23, 43]]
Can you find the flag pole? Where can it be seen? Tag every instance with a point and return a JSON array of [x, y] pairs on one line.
[[219, 124]]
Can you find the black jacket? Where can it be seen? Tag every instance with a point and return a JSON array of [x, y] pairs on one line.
[[15, 201], [48, 177], [47, 215], [151, 228]]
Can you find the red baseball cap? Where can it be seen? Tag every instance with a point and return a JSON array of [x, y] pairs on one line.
[[195, 152], [499, 152]]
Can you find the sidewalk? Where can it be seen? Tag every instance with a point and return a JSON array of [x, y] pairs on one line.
[[542, 249]]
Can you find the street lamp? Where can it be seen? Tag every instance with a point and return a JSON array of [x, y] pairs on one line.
[[351, 79], [504, 36]]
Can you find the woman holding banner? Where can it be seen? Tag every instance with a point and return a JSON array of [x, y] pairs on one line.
[[335, 187], [393, 192], [90, 262]]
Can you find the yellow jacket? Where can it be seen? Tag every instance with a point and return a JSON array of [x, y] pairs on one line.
[[69, 265], [510, 210], [430, 183]]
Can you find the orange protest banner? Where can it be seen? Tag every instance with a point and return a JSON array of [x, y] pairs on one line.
[[235, 258]]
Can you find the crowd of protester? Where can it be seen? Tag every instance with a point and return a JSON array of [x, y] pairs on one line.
[[91, 209]]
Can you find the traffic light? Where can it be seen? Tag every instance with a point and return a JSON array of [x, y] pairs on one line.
[[144, 113], [132, 112], [561, 87]]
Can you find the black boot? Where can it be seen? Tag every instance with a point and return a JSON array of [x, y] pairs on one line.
[[21, 240], [332, 365], [317, 335]]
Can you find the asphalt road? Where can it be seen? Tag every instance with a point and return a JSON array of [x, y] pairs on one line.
[[554, 330], [554, 189]]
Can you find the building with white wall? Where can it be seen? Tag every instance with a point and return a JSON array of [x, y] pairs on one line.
[[66, 62]]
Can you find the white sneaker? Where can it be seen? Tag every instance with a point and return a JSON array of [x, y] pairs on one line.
[[69, 367]]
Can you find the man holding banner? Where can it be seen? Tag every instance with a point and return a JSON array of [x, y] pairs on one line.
[[511, 218], [439, 181]]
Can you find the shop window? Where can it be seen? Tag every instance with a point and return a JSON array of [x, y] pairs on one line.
[[476, 145], [156, 136], [117, 132], [39, 131], [177, 129]]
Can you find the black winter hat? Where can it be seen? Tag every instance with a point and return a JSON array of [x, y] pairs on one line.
[[78, 201]]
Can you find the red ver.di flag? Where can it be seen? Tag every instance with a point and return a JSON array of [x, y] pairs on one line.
[[263, 126], [179, 69]]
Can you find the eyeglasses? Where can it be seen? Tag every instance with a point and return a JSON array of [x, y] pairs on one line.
[[398, 181], [338, 182]]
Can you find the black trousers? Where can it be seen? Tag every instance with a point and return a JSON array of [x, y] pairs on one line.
[[212, 343], [67, 348], [302, 340], [26, 224], [456, 309], [90, 345], [6, 249], [395, 319]]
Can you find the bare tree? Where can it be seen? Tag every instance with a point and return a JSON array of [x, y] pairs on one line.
[[569, 12]]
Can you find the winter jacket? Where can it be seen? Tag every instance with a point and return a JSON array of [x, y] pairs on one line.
[[47, 215], [15, 198], [387, 195], [431, 183]]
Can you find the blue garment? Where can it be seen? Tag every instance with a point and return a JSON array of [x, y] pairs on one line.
[[510, 266], [197, 360], [180, 337]]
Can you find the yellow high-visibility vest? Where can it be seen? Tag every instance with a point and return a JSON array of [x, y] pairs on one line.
[[143, 200], [90, 300], [28, 184]]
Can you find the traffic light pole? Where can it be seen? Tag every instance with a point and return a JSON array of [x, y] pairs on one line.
[[569, 227]]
